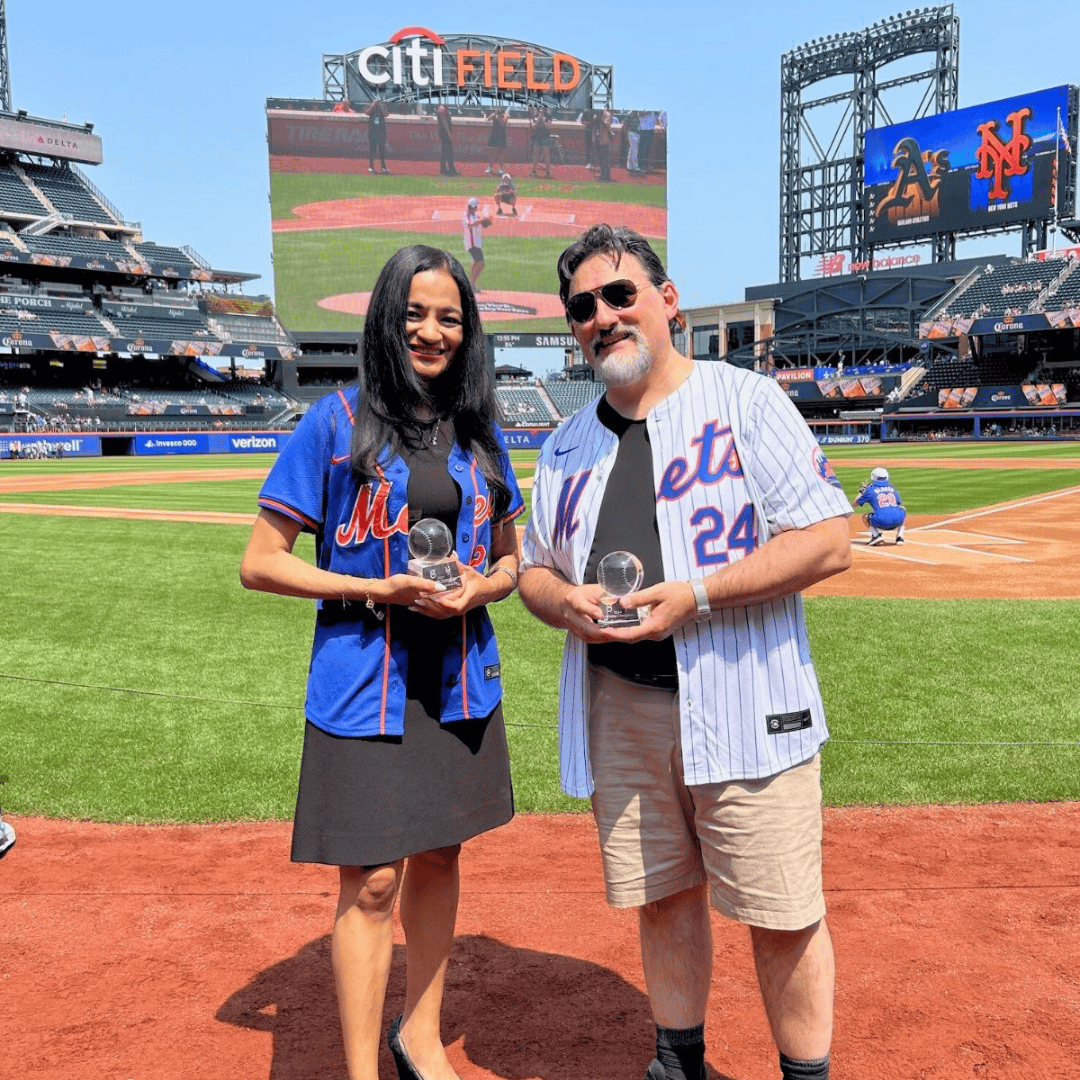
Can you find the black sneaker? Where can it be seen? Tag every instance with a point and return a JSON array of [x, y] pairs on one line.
[[901, 540]]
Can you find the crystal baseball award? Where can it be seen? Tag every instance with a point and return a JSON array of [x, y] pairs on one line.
[[619, 574], [430, 544]]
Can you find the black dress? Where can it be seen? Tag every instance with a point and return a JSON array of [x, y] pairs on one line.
[[374, 800]]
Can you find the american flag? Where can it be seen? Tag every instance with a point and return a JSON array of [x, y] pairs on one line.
[[1063, 136]]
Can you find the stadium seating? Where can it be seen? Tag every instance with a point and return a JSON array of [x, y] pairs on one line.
[[16, 197], [571, 395], [1013, 288], [162, 255], [67, 193], [1067, 293], [523, 405], [42, 322], [64, 244]]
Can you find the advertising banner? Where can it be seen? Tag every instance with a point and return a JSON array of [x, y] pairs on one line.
[[43, 446], [186, 443], [842, 440], [525, 438], [973, 168], [249, 442], [867, 386], [50, 140]]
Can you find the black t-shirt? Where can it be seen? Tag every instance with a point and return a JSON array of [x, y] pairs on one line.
[[627, 522]]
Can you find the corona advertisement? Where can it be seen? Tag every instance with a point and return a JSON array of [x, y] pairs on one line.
[[492, 152], [975, 168]]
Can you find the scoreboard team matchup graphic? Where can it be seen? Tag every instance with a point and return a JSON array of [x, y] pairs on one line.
[[424, 126], [974, 168]]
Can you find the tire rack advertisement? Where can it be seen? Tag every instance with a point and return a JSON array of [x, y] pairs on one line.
[[974, 168]]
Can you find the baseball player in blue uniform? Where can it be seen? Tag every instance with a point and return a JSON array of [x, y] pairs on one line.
[[886, 507], [696, 733]]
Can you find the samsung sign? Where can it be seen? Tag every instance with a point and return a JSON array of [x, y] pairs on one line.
[[73, 144]]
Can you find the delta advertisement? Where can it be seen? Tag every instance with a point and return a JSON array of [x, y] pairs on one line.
[[974, 168], [504, 186]]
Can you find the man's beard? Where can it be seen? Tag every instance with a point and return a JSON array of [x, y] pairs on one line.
[[624, 369]]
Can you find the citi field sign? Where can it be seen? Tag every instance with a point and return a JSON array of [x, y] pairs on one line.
[[418, 57]]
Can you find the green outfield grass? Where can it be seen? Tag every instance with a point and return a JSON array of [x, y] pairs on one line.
[[140, 682], [309, 266], [289, 189]]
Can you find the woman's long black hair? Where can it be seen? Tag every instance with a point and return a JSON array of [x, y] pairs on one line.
[[392, 395]]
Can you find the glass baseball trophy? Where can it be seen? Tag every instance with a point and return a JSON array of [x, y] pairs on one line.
[[430, 544], [619, 574]]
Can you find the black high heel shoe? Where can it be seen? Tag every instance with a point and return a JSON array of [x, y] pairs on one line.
[[406, 1070]]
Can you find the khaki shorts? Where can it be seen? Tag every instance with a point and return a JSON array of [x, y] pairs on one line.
[[757, 842]]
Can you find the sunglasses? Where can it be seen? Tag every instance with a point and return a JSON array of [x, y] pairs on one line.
[[581, 307]]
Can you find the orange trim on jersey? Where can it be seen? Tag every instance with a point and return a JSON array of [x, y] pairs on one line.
[[465, 670], [386, 644], [289, 512], [512, 517], [348, 408]]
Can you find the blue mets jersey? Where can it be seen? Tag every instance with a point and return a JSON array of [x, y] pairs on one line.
[[886, 507], [356, 682], [734, 464]]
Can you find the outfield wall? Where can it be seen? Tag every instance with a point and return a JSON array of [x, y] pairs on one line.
[[161, 443]]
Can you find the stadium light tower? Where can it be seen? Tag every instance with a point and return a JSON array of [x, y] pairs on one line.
[[822, 173], [5, 77]]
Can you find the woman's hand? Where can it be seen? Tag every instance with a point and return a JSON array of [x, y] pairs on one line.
[[475, 590], [404, 589]]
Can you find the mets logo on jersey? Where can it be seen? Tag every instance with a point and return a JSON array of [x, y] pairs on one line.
[[370, 517], [822, 467]]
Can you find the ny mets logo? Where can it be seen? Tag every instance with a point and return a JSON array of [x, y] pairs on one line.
[[911, 164], [1000, 160], [369, 517], [822, 467], [566, 522], [714, 442]]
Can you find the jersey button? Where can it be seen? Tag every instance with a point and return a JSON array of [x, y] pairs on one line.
[[468, 500], [465, 538]]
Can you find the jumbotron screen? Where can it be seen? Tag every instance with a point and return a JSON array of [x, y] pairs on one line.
[[982, 166], [348, 187]]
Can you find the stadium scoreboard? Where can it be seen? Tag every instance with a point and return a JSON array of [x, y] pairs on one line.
[[973, 169]]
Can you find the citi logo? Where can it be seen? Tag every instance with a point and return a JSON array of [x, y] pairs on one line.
[[501, 68]]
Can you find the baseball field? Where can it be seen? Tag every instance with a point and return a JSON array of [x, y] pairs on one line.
[[152, 926], [334, 230]]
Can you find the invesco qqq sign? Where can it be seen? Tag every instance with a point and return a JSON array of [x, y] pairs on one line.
[[419, 57]]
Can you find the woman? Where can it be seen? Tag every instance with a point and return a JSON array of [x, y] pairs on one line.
[[404, 747]]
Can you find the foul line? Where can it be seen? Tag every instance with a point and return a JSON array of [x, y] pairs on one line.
[[997, 509]]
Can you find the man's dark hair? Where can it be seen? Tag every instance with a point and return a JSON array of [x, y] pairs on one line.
[[392, 395], [614, 241]]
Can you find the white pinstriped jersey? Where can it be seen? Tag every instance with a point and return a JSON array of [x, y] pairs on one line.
[[732, 459]]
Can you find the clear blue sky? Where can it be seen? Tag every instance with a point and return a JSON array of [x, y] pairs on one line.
[[177, 93]]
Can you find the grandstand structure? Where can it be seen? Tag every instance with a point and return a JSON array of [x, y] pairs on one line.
[[881, 343], [104, 332]]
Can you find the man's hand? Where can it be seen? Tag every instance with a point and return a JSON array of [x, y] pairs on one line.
[[579, 610], [673, 604]]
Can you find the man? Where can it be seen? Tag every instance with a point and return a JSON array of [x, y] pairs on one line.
[[472, 235], [376, 113], [446, 141], [886, 507], [697, 732]]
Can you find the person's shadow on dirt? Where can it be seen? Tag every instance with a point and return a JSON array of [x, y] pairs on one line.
[[522, 1014]]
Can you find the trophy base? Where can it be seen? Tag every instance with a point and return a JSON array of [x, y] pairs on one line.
[[443, 573], [614, 614]]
